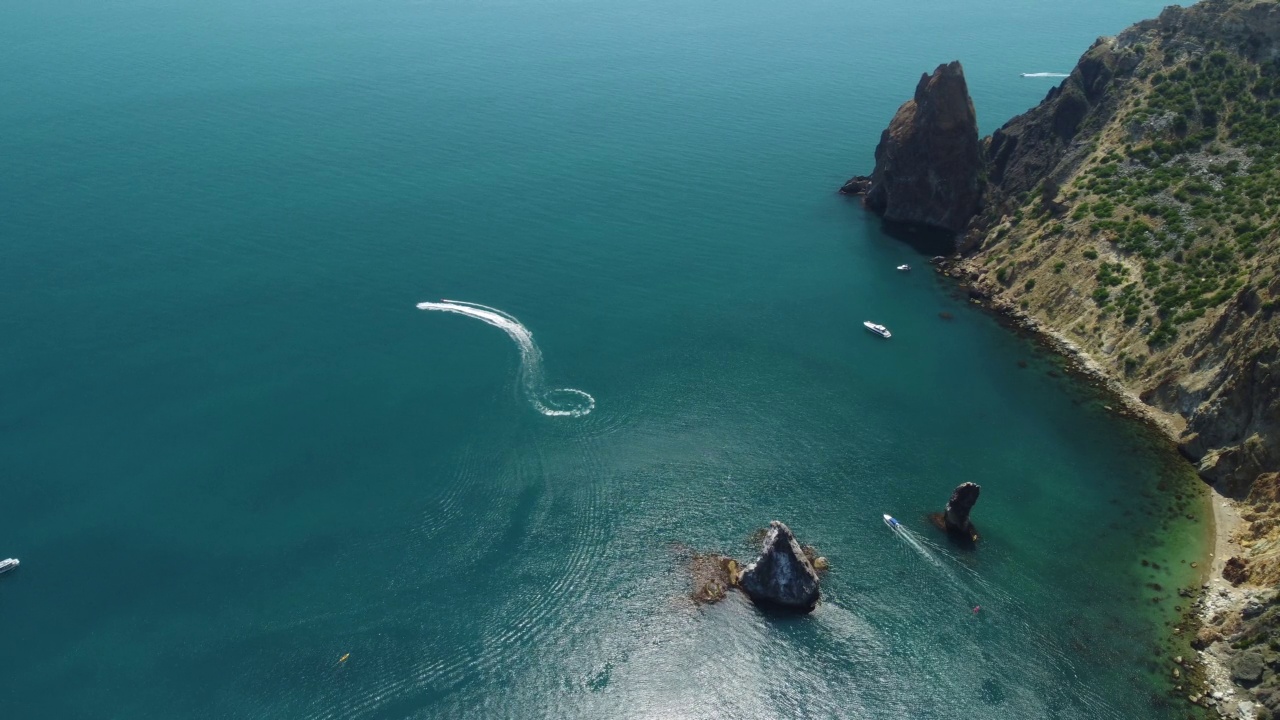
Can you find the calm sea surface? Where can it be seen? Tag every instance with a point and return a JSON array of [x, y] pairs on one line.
[[232, 451]]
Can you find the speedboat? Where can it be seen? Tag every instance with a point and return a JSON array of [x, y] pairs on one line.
[[880, 330], [891, 521], [7, 565], [904, 267]]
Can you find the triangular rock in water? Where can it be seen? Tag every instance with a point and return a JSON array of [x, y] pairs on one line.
[[782, 577]]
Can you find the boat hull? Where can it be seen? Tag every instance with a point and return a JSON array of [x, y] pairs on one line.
[[880, 330]]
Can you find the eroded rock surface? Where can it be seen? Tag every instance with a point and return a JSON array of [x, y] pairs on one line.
[[782, 577], [929, 164], [955, 519], [1247, 667]]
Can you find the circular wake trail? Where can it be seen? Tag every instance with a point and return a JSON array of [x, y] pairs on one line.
[[555, 402]]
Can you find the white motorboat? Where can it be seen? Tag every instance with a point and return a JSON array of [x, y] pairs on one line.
[[880, 330], [891, 521], [7, 565], [904, 267]]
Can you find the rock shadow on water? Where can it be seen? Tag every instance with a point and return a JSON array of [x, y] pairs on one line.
[[960, 540], [991, 692], [926, 240]]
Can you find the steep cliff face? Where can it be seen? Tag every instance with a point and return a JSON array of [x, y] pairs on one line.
[[1031, 148], [1131, 211], [928, 163]]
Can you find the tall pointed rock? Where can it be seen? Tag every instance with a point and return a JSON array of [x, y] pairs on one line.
[[929, 165]]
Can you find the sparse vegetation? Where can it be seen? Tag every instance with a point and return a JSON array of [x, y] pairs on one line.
[[1186, 197]]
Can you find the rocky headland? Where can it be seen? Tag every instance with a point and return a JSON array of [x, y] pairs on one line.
[[1131, 219]]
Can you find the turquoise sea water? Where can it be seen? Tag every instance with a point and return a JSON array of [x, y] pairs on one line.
[[232, 451]]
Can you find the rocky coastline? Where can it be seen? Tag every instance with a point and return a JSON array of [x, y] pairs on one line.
[[1123, 224], [1208, 674]]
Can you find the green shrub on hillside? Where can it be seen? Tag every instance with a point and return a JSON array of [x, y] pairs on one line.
[[1195, 223]]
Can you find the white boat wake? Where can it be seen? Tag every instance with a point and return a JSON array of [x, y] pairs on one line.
[[1043, 74], [555, 402], [917, 544]]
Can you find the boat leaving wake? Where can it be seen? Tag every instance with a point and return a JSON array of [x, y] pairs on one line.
[[912, 541], [555, 402], [1046, 74]]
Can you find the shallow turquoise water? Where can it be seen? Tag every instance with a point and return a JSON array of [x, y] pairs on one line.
[[232, 451]]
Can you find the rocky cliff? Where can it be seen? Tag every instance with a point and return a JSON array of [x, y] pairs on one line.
[[1134, 215], [928, 163], [1131, 212]]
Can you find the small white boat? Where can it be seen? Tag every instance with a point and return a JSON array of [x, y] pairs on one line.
[[880, 330], [891, 521], [7, 565], [904, 267]]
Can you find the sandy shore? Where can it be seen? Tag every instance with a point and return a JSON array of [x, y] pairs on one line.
[[1221, 599], [1226, 527]]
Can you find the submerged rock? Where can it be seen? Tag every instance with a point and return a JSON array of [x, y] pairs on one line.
[[929, 164], [782, 577], [712, 575]]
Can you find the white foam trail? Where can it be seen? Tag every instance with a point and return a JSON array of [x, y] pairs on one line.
[[1042, 74], [916, 545], [549, 402]]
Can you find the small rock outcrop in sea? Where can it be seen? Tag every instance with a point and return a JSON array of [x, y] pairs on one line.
[[955, 519], [929, 164], [857, 185], [713, 576], [783, 576]]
